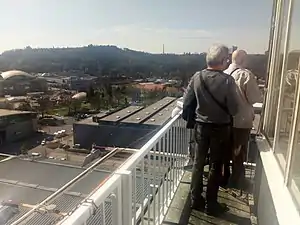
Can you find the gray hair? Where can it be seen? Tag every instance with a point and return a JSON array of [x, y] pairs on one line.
[[216, 55]]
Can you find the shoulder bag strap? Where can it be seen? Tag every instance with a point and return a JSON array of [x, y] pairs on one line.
[[212, 96], [234, 71]]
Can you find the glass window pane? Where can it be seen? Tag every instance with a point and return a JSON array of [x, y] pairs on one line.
[[285, 107], [292, 80], [272, 40], [275, 70]]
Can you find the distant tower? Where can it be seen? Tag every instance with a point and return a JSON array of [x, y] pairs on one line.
[[163, 52], [234, 48]]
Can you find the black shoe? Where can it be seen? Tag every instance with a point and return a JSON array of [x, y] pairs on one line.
[[224, 186], [198, 205], [216, 209]]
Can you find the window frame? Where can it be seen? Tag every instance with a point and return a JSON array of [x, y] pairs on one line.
[[273, 62]]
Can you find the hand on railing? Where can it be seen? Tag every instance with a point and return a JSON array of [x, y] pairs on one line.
[[178, 107]]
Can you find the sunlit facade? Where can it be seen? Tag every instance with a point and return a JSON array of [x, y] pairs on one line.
[[282, 112]]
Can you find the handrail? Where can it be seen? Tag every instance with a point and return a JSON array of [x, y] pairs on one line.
[[67, 185], [85, 210], [132, 161], [88, 207]]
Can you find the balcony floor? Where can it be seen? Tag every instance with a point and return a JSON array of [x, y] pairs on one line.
[[180, 212]]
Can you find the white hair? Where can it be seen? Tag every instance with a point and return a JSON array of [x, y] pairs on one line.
[[239, 57], [216, 55]]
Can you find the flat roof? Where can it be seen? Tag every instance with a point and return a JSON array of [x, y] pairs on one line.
[[149, 111], [38, 174], [77, 159], [30, 182], [89, 120], [162, 116], [7, 112], [122, 114]]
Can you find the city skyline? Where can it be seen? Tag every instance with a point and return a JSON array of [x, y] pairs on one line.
[[181, 26]]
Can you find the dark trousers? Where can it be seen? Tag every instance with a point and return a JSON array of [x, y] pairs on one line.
[[239, 153], [192, 144], [215, 138], [227, 158]]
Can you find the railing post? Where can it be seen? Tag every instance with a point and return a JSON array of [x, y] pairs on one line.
[[126, 193], [116, 204]]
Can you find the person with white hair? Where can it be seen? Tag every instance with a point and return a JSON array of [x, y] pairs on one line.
[[211, 99], [248, 94]]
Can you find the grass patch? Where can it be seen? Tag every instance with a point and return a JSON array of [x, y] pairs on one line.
[[63, 111]]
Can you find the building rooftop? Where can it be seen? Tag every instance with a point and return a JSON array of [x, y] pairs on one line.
[[30, 182], [38, 175], [151, 86], [122, 114], [90, 120], [79, 96], [76, 160], [156, 114], [15, 73], [7, 112], [149, 111], [162, 116]]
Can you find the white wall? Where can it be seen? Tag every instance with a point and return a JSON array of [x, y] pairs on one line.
[[265, 209], [274, 203]]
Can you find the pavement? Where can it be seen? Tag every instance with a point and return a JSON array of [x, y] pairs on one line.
[[52, 129]]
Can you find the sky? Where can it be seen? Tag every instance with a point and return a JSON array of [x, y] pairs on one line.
[[144, 25]]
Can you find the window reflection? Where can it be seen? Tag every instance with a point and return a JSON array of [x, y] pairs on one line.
[[276, 67], [291, 92], [286, 108]]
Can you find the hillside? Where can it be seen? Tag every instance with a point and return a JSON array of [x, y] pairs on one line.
[[111, 61]]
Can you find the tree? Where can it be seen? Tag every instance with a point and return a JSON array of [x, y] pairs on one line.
[[111, 61], [44, 104], [25, 106], [75, 105], [117, 94], [90, 93], [96, 100]]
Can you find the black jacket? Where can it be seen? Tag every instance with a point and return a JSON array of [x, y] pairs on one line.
[[189, 112], [200, 106]]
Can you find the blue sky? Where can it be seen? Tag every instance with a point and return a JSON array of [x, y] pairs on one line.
[[181, 25]]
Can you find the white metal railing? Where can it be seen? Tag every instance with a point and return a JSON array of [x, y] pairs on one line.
[[140, 191]]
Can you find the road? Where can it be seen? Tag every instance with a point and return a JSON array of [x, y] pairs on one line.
[[34, 142], [68, 126]]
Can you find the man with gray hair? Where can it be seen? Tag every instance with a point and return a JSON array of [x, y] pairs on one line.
[[215, 96], [248, 94]]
